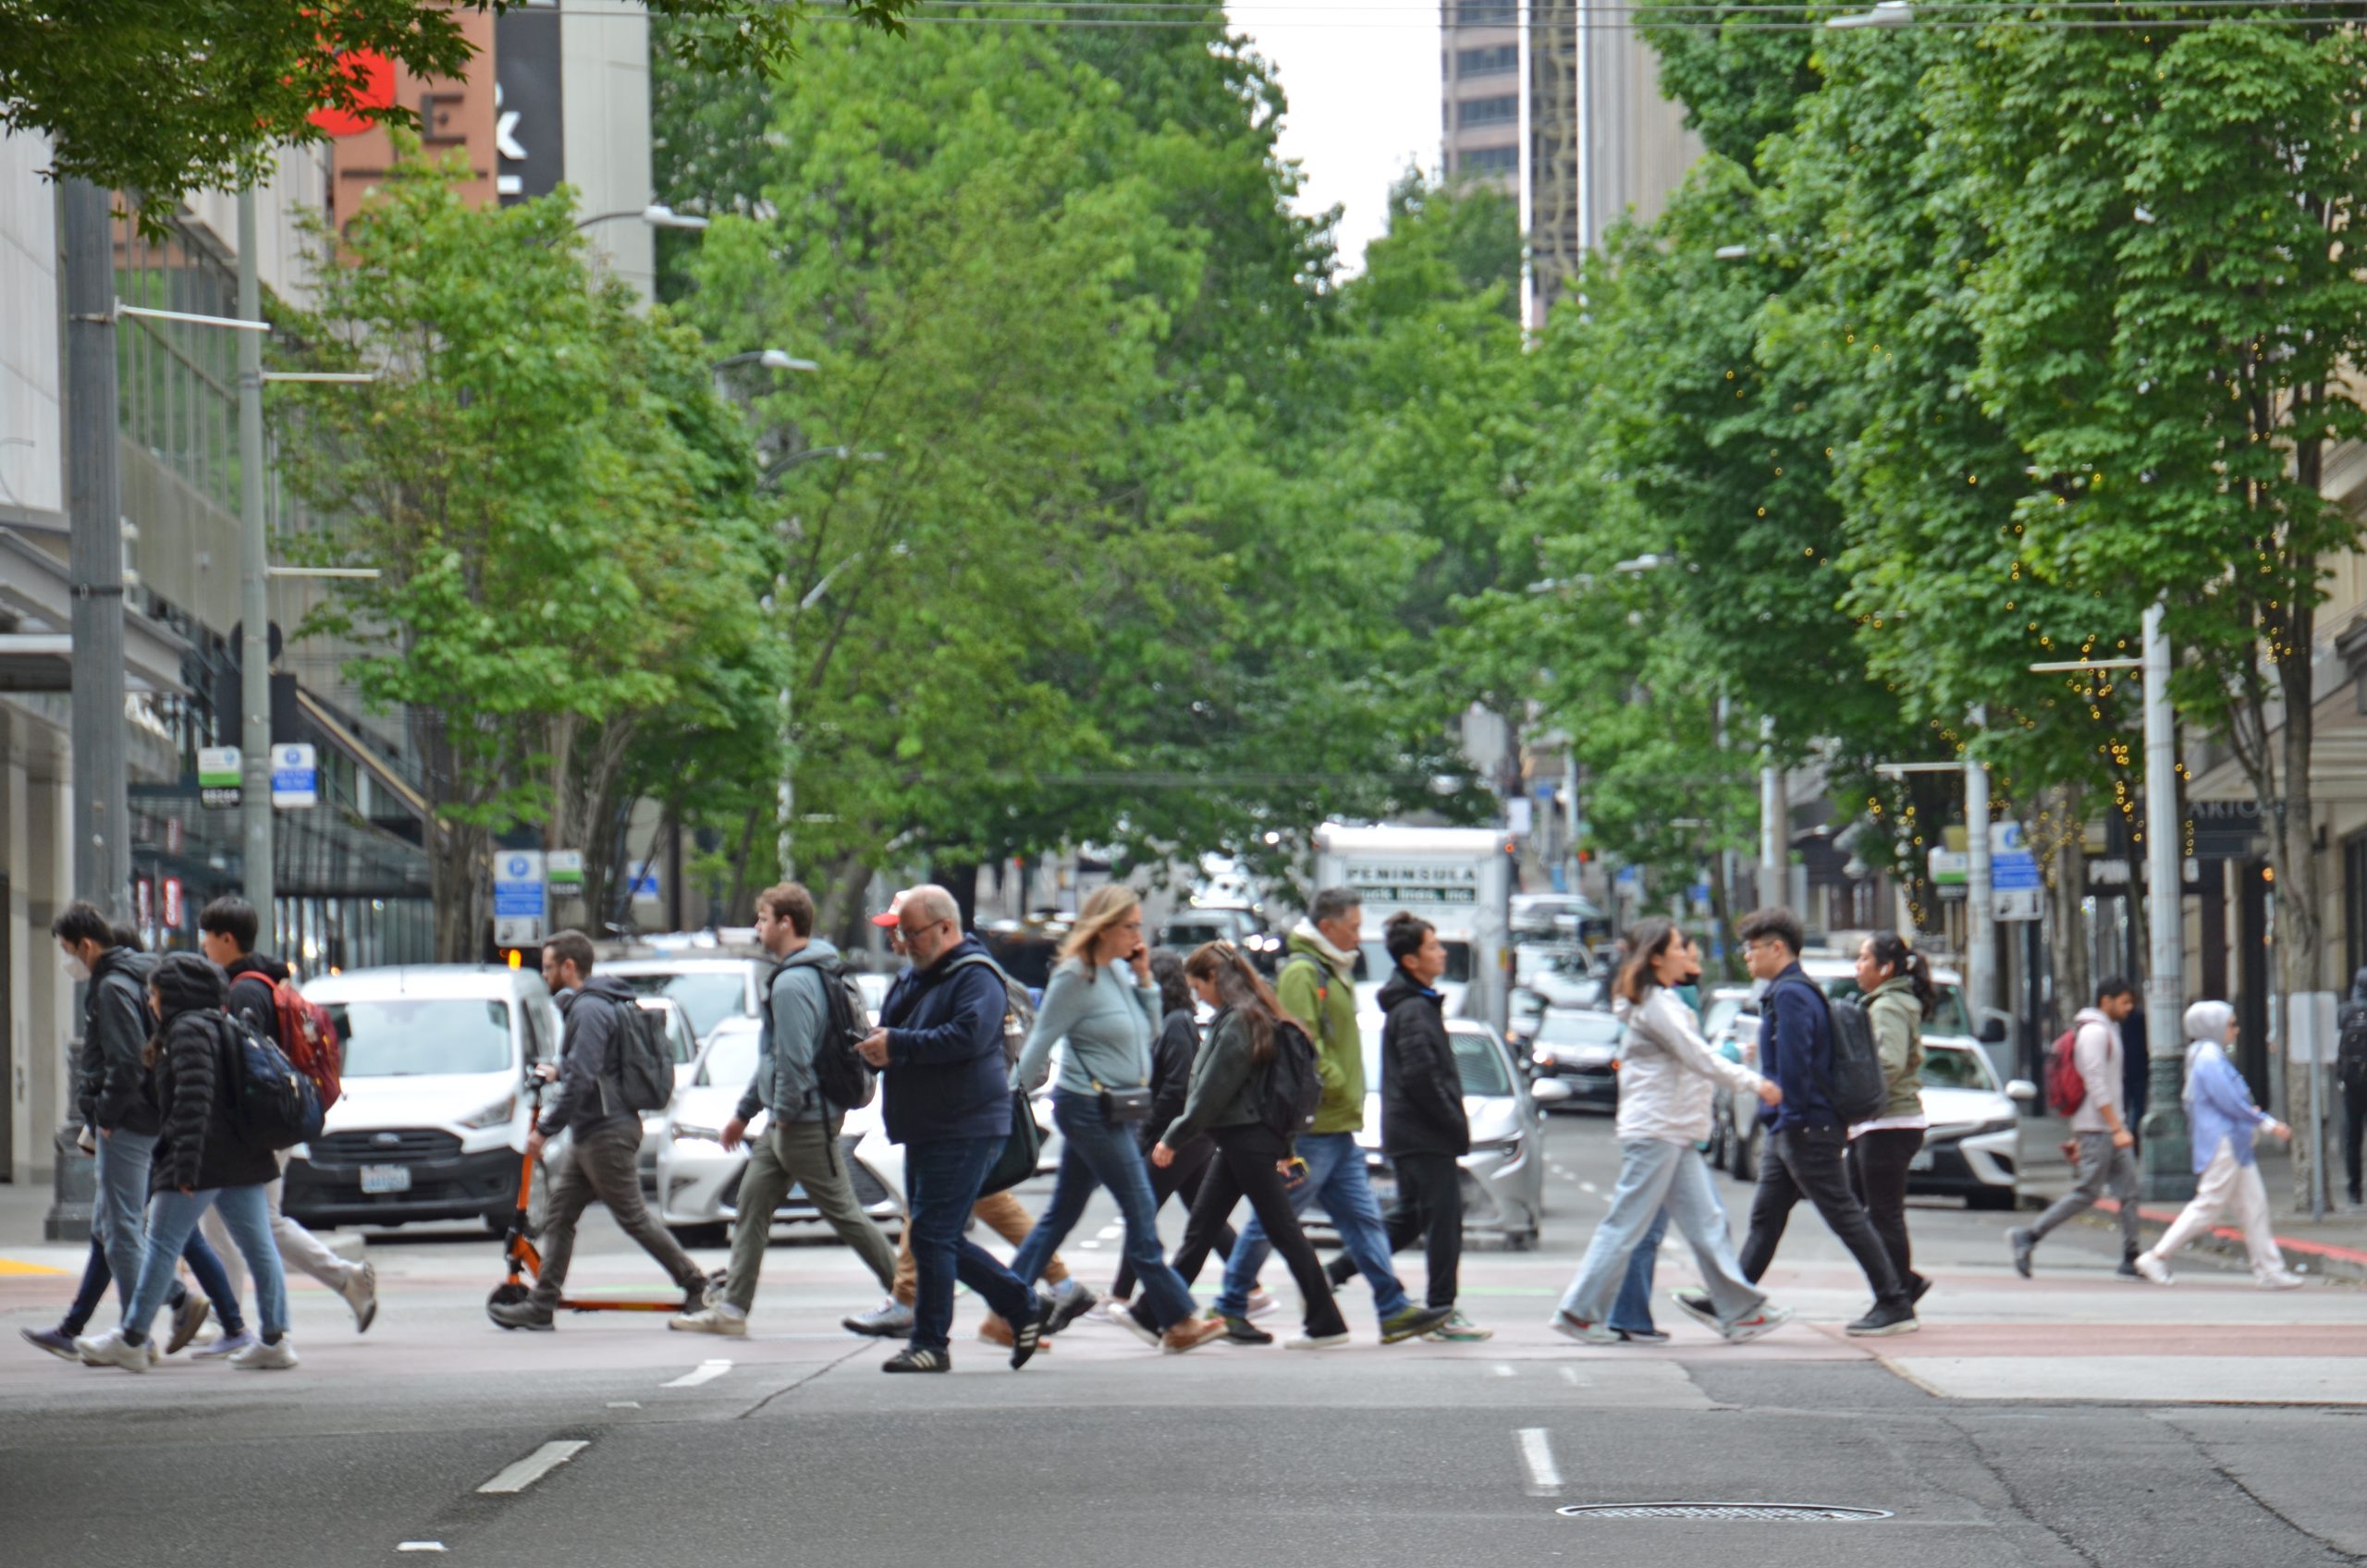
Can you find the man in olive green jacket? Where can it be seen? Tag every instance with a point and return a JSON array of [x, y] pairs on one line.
[[1317, 986]]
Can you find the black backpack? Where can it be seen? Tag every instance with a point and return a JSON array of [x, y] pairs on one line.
[[1293, 1089], [641, 1056], [276, 1107], [1856, 1083], [839, 1076], [2350, 1055]]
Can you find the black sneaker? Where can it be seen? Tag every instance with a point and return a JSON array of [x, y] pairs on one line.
[[1026, 1337], [911, 1360], [521, 1315], [1241, 1331], [2127, 1270], [1697, 1305], [1413, 1322], [1918, 1291], [1068, 1307], [2023, 1244], [1340, 1270], [1896, 1318]]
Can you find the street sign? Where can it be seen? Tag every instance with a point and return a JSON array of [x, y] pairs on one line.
[[518, 898], [218, 776], [1520, 816], [519, 931], [172, 904], [644, 883], [2020, 903], [295, 776], [565, 869]]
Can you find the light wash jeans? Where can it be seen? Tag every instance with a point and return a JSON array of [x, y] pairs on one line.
[[1653, 1174], [172, 1218], [1096, 1153], [1633, 1310], [121, 1170], [1335, 1178], [297, 1246]]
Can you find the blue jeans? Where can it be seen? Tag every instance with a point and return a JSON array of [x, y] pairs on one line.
[[941, 1183], [171, 1219], [1633, 1310], [1096, 1153], [203, 1261], [1652, 1176], [118, 1203], [1335, 1178]]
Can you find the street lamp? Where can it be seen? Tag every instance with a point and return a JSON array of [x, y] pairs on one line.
[[657, 215], [771, 358], [1888, 13]]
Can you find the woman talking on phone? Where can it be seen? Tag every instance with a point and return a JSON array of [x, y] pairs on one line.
[[1102, 1002], [1228, 1098]]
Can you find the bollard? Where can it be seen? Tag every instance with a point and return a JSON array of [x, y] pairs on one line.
[[71, 1190]]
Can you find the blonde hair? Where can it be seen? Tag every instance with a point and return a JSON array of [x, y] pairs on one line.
[[1103, 908]]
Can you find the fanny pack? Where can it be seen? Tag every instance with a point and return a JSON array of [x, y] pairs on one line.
[[1124, 1107]]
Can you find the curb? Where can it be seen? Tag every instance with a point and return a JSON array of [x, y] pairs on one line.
[[2327, 1259]]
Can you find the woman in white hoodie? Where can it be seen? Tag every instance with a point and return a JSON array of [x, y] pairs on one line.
[[1668, 1076]]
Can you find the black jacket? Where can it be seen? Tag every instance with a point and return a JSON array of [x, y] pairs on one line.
[[1421, 1089], [587, 1057], [251, 979], [1172, 1051], [197, 1081], [947, 1075], [111, 1077]]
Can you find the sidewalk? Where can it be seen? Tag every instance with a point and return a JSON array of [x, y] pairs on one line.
[[2335, 1247]]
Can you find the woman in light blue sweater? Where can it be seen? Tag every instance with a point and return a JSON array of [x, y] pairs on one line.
[[2219, 1107], [1102, 1002]]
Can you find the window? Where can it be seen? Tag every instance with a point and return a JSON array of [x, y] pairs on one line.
[[1487, 13], [408, 1038], [1488, 111], [1488, 160], [1494, 60]]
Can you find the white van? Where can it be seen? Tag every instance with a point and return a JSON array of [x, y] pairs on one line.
[[432, 1123]]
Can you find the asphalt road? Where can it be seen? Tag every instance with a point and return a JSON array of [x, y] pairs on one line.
[[2069, 1419]]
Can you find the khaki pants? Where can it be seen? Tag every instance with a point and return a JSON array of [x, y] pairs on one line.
[[1002, 1214], [604, 1168], [801, 1154]]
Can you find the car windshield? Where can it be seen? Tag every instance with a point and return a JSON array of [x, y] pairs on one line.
[[1477, 1060], [709, 996], [422, 1037], [1948, 1017], [1562, 1027], [1373, 963], [1945, 1067], [730, 1056]]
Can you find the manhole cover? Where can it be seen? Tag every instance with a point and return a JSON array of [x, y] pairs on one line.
[[1810, 1512]]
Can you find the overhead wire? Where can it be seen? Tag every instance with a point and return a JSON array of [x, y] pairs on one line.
[[1932, 16]]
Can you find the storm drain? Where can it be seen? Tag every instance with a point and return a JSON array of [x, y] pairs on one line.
[[1795, 1512]]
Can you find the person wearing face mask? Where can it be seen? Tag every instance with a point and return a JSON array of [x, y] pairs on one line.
[[2219, 1108], [1667, 1077], [119, 1129]]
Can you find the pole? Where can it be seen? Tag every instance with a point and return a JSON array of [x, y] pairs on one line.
[[1775, 823], [102, 824], [1980, 898], [1574, 868], [2169, 1173], [254, 578]]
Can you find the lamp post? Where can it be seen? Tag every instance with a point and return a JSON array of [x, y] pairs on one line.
[[657, 215]]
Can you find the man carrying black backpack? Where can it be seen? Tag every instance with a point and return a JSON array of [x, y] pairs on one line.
[[601, 1015], [800, 1143], [1806, 1138]]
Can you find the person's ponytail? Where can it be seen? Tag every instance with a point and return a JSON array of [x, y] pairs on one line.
[[1892, 951]]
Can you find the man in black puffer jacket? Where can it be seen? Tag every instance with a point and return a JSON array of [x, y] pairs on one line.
[[204, 1159], [1423, 1129]]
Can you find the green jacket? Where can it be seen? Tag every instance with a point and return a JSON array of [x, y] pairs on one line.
[[1325, 1001], [1898, 1040]]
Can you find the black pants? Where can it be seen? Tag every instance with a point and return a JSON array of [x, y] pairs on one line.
[[1429, 1204], [1192, 1162], [1806, 1162], [2354, 1123], [1244, 1167], [1878, 1163]]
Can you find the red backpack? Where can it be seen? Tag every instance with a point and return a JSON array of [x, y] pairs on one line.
[[309, 1038], [2066, 1090]]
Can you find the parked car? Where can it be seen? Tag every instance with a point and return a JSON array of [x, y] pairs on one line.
[[1503, 1176], [711, 988], [1971, 1149], [1578, 1048], [432, 1125]]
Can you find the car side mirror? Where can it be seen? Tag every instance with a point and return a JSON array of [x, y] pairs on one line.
[[1548, 1091], [2022, 1091], [1992, 1031]]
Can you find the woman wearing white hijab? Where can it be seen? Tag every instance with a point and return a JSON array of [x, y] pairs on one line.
[[2219, 1108]]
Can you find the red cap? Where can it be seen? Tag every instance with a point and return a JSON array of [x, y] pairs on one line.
[[894, 911], [889, 917]]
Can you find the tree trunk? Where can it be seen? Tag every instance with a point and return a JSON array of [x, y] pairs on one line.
[[2063, 853], [456, 880], [2300, 967], [842, 912]]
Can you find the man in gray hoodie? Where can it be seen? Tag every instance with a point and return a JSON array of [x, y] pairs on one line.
[[2107, 1144], [800, 1146]]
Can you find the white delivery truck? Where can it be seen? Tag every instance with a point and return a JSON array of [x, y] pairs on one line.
[[1460, 879]]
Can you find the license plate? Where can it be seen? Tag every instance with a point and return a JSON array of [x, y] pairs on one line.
[[385, 1178], [1922, 1160]]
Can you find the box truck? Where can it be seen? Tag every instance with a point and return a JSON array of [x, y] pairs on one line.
[[1460, 879]]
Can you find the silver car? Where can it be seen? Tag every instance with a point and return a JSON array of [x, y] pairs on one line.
[[1503, 1176], [710, 988]]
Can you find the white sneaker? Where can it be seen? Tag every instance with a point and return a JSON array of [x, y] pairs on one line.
[[265, 1356], [224, 1346], [721, 1320], [1106, 1309], [111, 1349], [1261, 1302], [1315, 1341], [2281, 1280], [361, 1294], [2153, 1269]]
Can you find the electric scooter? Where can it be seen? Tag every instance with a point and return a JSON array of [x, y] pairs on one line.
[[524, 1260]]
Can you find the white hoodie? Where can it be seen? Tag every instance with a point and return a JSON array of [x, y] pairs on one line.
[[1668, 1074]]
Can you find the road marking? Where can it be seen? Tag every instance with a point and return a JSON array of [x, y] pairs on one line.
[[1537, 1458], [419, 1546], [704, 1372], [1576, 1378], [1504, 1369], [533, 1467], [624, 1404], [1111, 1233], [1589, 1187]]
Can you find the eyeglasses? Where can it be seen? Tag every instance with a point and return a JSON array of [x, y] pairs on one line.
[[909, 931]]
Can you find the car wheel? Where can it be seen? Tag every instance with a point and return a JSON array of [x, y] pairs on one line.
[[497, 1221], [702, 1235], [1521, 1241], [1752, 1150], [1989, 1198]]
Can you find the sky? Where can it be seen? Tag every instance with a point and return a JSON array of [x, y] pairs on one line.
[[1363, 83]]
